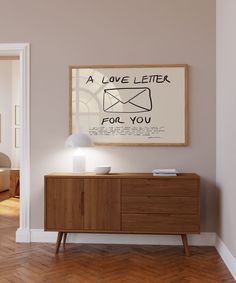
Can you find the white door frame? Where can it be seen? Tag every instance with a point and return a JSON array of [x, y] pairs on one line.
[[23, 51]]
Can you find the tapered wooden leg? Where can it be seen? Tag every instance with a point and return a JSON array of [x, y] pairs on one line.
[[185, 244], [59, 237], [64, 239]]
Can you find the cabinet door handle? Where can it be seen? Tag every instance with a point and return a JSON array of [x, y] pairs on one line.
[[82, 203]]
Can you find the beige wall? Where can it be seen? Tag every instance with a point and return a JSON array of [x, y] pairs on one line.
[[226, 116], [64, 32]]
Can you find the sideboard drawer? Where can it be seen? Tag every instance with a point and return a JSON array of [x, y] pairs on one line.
[[160, 223], [159, 204], [137, 203], [172, 186]]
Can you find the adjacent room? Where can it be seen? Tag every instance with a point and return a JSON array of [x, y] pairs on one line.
[[9, 127]]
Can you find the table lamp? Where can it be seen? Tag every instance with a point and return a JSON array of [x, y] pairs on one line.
[[78, 141]]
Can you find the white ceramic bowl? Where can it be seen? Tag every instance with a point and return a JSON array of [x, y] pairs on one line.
[[103, 169]]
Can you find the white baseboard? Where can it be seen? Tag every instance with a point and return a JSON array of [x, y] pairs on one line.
[[22, 235], [203, 239], [226, 255]]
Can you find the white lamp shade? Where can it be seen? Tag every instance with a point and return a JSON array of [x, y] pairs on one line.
[[78, 140]]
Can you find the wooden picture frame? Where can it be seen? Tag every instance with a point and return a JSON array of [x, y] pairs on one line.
[[0, 128], [17, 138], [130, 105], [17, 115]]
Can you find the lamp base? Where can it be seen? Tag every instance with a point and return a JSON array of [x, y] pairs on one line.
[[79, 163]]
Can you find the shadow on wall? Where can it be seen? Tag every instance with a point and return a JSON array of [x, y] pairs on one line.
[[208, 201], [218, 210]]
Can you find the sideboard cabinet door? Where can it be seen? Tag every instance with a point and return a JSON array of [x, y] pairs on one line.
[[63, 204], [102, 204]]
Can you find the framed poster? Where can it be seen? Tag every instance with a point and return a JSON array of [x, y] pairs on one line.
[[130, 105]]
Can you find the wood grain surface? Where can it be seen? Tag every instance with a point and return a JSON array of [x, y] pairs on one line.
[[102, 204]]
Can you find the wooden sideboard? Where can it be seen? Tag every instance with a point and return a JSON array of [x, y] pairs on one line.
[[129, 203]]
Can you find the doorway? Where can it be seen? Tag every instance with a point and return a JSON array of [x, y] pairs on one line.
[[21, 51], [9, 127]]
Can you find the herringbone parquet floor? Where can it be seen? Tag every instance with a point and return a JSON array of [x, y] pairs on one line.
[[37, 263]]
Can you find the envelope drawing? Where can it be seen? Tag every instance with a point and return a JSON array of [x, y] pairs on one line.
[[127, 100]]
